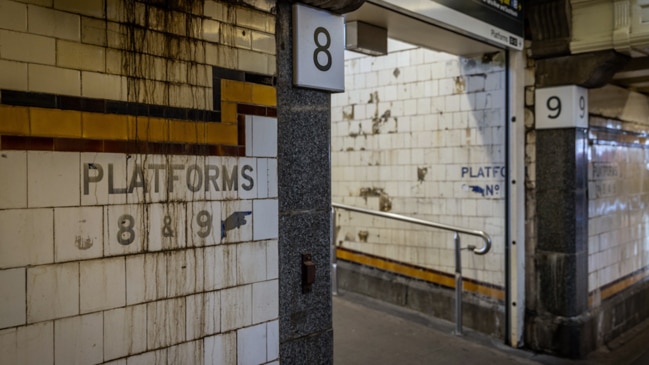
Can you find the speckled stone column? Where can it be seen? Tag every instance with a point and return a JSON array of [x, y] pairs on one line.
[[304, 125], [562, 248]]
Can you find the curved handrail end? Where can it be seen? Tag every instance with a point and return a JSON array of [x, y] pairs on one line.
[[487, 245]]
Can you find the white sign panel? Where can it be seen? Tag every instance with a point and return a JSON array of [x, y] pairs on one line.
[[561, 107], [318, 49], [497, 22]]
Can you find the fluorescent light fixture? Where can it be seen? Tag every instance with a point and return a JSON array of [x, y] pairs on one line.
[[366, 38]]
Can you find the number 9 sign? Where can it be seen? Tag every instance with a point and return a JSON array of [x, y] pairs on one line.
[[318, 49], [561, 107]]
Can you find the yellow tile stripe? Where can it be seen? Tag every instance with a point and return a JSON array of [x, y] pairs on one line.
[[417, 273], [43, 122], [248, 93], [610, 290]]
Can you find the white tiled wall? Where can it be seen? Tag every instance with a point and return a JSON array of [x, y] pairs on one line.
[[426, 132], [60, 47], [618, 245], [129, 279], [90, 273]]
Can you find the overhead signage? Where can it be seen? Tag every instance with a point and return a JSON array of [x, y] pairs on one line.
[[318, 49], [495, 21]]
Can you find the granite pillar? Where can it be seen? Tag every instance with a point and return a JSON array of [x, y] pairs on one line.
[[562, 248], [304, 173]]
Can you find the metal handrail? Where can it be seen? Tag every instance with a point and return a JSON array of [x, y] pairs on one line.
[[456, 238]]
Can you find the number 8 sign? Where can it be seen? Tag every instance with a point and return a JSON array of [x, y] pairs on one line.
[[561, 107], [318, 49]]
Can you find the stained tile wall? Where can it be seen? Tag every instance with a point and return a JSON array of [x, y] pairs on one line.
[[79, 50], [137, 258], [618, 200], [422, 133], [117, 272]]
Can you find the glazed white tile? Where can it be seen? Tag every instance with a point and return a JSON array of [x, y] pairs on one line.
[[165, 323], [184, 272], [27, 237], [265, 218], [34, 344], [14, 184], [125, 230], [78, 233], [52, 291], [166, 226], [220, 349], [262, 181], [79, 340], [220, 267], [124, 331], [213, 178], [203, 314], [272, 336], [52, 179], [236, 308], [204, 223], [186, 353], [103, 178], [102, 284], [263, 136], [236, 224], [265, 301], [249, 178], [147, 358], [13, 297], [272, 260], [251, 345], [147, 278], [251, 262]]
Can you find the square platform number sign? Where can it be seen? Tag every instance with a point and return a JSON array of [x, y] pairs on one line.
[[318, 49], [561, 107]]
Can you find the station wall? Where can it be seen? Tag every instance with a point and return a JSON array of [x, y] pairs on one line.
[[422, 133], [138, 165], [618, 193]]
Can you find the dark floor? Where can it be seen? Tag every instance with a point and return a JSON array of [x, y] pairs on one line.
[[367, 331]]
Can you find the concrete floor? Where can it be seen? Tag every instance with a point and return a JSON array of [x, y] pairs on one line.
[[367, 331]]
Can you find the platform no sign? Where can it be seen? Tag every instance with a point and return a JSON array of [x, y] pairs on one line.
[[561, 107], [318, 49]]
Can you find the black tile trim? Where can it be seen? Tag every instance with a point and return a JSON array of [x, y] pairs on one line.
[[52, 101]]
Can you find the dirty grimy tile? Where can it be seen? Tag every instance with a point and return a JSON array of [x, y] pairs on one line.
[[78, 233], [220, 349], [203, 314], [147, 278], [79, 340], [251, 262], [14, 185], [220, 267], [52, 291], [124, 331], [251, 345], [165, 323], [236, 308], [12, 297], [27, 237], [166, 227], [28, 345], [102, 284], [265, 301], [53, 179]]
